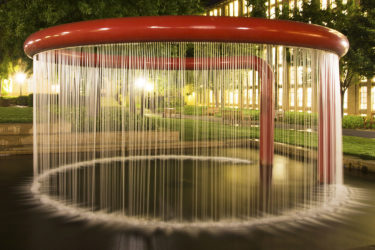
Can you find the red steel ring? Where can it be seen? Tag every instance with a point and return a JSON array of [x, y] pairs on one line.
[[187, 29]]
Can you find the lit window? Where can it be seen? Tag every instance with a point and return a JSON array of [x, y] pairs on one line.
[[220, 12], [226, 10], [250, 77], [300, 75], [333, 4], [244, 6], [273, 13], [363, 97], [280, 96], [299, 5], [256, 96], [231, 97], [215, 12], [291, 5], [256, 78], [250, 91], [272, 2], [324, 4], [373, 97], [292, 97], [344, 1], [345, 99], [231, 11], [309, 97], [280, 8], [236, 8], [281, 54], [300, 97], [211, 13], [273, 55], [210, 96], [281, 77], [292, 75]]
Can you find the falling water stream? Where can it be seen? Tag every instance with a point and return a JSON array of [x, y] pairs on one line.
[[169, 131]]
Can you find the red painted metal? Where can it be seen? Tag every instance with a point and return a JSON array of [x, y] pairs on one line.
[[187, 28]]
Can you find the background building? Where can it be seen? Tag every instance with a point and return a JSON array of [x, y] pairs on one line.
[[359, 99]]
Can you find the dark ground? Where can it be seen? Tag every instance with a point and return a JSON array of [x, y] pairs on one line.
[[24, 225]]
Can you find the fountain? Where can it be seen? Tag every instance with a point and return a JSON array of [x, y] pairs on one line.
[[187, 119]]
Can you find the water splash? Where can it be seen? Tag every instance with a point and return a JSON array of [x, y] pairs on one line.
[[154, 125]]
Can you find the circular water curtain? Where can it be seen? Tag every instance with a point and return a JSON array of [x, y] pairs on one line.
[[187, 118]]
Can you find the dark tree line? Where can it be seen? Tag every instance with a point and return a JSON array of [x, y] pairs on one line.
[[20, 18]]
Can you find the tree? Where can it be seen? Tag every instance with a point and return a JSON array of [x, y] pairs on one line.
[[259, 8], [20, 18], [357, 23]]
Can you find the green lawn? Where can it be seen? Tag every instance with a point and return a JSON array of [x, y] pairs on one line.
[[360, 147], [16, 115], [355, 146]]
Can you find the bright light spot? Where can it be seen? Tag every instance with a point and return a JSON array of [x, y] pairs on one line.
[[55, 88], [20, 77], [149, 87], [140, 83]]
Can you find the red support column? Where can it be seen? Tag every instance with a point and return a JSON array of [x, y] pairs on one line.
[[329, 130]]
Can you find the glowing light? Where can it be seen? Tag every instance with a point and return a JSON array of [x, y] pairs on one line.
[[149, 87], [140, 83], [20, 77], [143, 84]]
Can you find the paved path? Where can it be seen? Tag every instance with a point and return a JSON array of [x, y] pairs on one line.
[[359, 133]]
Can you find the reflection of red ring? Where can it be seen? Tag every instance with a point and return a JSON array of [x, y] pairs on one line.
[[187, 28]]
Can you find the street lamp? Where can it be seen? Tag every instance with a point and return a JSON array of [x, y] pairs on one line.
[[20, 78]]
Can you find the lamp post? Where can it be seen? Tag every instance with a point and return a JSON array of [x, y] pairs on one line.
[[20, 78]]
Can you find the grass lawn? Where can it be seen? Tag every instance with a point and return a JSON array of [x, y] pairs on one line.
[[16, 115], [359, 146], [355, 146]]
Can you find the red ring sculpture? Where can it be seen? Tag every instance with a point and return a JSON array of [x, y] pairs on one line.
[[200, 29], [187, 28]]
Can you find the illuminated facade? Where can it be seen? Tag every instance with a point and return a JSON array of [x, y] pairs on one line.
[[294, 90]]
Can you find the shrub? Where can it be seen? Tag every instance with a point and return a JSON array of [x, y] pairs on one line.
[[301, 118], [22, 100], [194, 110], [30, 100], [352, 121]]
